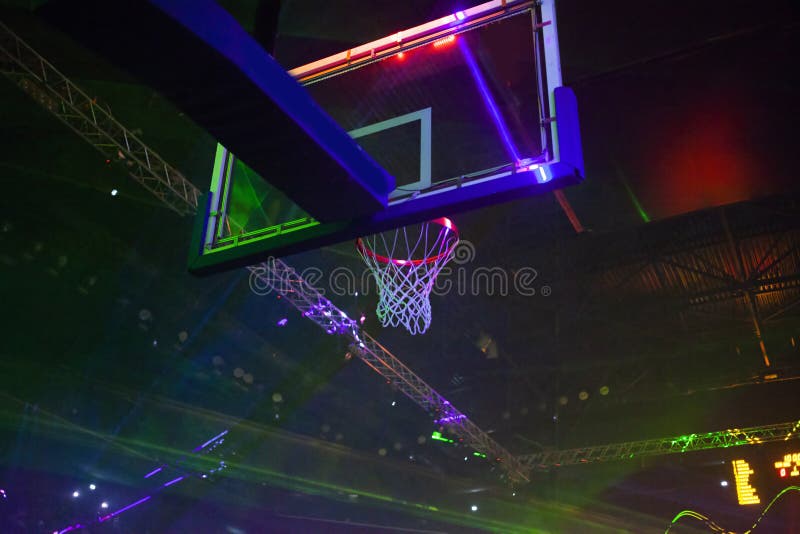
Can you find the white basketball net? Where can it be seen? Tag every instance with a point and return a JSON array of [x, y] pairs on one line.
[[405, 263]]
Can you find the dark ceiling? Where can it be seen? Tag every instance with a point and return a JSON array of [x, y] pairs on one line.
[[114, 359]]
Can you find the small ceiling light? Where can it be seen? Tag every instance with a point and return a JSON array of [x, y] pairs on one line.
[[474, 508], [394, 403], [104, 505], [724, 483], [460, 15], [604, 390], [583, 395], [114, 192], [76, 494], [92, 487]]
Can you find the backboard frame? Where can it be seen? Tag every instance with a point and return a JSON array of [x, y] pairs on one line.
[[563, 166], [424, 118]]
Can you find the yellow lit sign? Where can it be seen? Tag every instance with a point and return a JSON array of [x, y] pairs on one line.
[[789, 466], [741, 474]]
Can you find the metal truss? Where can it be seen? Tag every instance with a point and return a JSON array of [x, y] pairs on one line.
[[756, 286], [658, 447], [72, 106], [275, 275]]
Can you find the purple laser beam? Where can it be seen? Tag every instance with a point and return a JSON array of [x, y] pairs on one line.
[[154, 471], [209, 442], [488, 99], [124, 509], [144, 499], [173, 481]]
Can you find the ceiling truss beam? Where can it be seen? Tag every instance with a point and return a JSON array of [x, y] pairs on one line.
[[94, 123], [546, 460]]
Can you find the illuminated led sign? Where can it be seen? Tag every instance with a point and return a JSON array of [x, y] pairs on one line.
[[741, 474], [753, 476], [789, 466]]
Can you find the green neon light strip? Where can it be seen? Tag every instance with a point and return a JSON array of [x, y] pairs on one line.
[[479, 454], [223, 206], [263, 233], [221, 185], [216, 185]]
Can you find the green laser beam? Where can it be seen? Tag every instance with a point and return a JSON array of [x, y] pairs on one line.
[[636, 204]]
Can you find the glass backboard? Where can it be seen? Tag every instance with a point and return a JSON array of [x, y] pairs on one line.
[[461, 112]]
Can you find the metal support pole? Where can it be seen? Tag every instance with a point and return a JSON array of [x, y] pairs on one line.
[[742, 276]]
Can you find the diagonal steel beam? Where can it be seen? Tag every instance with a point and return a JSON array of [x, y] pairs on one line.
[[275, 275], [761, 271], [94, 123], [742, 275]]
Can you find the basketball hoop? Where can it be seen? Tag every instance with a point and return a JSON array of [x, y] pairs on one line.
[[405, 263]]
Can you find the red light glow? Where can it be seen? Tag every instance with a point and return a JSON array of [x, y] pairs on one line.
[[703, 156], [783, 472], [401, 56], [444, 41]]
